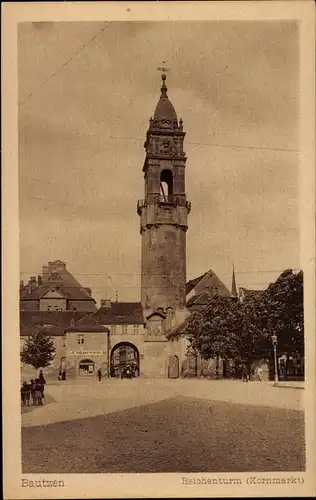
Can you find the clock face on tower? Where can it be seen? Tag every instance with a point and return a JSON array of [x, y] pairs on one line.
[[165, 147]]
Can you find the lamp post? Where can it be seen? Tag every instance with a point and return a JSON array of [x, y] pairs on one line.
[[274, 340]]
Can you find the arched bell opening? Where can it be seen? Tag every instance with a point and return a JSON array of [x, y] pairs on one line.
[[166, 184]]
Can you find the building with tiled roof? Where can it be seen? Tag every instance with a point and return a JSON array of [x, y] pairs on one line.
[[201, 289], [53, 302], [120, 313], [55, 290], [86, 324], [54, 322], [199, 293]]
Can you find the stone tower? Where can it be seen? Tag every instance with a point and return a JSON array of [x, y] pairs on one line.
[[164, 213]]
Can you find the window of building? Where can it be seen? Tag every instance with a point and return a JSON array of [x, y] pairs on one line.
[[54, 308], [113, 329], [124, 329], [136, 329], [80, 339]]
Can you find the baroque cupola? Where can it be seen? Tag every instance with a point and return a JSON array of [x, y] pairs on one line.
[[165, 115], [165, 133]]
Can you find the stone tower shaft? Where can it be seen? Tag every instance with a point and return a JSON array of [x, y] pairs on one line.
[[164, 211]]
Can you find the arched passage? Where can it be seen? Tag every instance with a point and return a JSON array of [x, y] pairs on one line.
[[124, 356], [86, 367]]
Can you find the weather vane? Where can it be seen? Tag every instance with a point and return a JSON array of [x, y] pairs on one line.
[[162, 68]]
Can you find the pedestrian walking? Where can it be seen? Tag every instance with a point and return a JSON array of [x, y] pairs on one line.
[[259, 373], [42, 381], [99, 374], [245, 374]]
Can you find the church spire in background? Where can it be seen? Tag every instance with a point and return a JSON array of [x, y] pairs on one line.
[[234, 288]]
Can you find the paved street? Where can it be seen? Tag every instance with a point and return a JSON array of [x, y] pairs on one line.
[[164, 426]]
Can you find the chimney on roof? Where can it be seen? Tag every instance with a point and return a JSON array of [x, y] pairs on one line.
[[32, 284], [106, 303]]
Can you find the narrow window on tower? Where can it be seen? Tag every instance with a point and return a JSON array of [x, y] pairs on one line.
[[166, 185]]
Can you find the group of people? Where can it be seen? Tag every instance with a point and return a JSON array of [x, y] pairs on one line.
[[33, 391], [245, 373]]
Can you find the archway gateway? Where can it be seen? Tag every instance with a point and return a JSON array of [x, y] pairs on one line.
[[124, 355]]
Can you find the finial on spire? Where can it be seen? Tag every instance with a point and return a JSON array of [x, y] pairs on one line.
[[163, 77]]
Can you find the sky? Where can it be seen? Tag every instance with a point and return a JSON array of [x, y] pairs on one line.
[[84, 109]]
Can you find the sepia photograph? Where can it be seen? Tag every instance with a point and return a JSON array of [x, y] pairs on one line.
[[161, 279]]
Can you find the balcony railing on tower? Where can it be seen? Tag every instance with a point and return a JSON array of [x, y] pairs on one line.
[[172, 199]]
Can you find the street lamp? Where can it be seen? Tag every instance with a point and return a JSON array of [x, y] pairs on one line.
[[274, 340]]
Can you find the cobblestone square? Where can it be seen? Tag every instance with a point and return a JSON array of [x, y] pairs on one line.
[[158, 426]]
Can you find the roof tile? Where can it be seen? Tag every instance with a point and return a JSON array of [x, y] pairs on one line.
[[120, 313]]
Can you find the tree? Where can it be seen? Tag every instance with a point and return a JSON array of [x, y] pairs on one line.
[[284, 299], [230, 329], [254, 343], [215, 330], [39, 350]]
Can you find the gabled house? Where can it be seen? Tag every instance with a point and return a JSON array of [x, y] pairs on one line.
[[55, 290], [201, 289], [87, 344], [53, 301]]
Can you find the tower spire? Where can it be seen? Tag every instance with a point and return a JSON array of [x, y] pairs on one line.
[[234, 287]]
